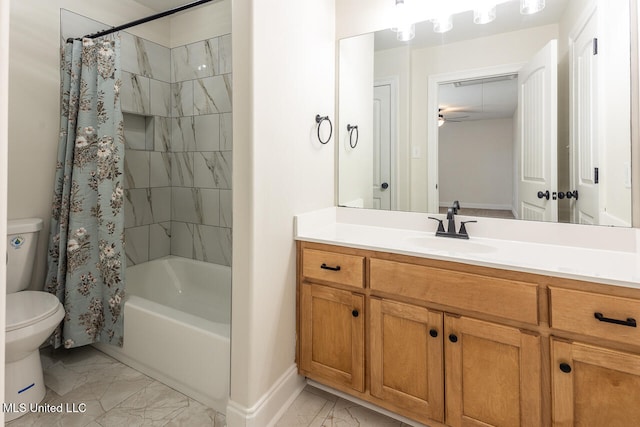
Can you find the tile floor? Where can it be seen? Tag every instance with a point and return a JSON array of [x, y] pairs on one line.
[[117, 395], [317, 408], [114, 394]]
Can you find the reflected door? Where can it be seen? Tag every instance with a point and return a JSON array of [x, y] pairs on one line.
[[382, 185], [537, 136], [584, 131]]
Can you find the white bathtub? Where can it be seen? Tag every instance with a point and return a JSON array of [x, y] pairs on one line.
[[177, 326]]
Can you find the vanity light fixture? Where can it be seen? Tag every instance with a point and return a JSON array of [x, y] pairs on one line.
[[406, 33], [440, 120], [404, 25], [484, 13], [442, 23], [529, 7]]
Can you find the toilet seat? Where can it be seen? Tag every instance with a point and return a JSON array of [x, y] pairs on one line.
[[26, 308]]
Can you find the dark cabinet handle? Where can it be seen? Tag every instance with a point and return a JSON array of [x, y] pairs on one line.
[[355, 313], [433, 333], [326, 267], [631, 322], [565, 367], [453, 338], [384, 185]]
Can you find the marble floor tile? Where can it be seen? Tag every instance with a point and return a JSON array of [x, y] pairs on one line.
[[197, 414], [114, 394], [349, 414], [305, 409], [154, 405], [332, 411]]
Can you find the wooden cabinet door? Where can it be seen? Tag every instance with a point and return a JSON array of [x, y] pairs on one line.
[[332, 335], [406, 359], [493, 374], [593, 386]]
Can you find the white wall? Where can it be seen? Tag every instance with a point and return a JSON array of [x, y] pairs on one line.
[[354, 17], [284, 74], [4, 114], [476, 163], [355, 107], [508, 48], [396, 64]]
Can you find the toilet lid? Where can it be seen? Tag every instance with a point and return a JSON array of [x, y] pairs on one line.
[[28, 307]]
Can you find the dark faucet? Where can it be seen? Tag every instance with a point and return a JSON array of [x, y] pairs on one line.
[[451, 213], [451, 225]]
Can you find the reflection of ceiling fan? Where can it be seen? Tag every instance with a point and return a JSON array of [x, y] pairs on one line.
[[444, 115]]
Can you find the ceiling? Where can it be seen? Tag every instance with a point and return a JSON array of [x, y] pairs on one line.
[[478, 99], [162, 5]]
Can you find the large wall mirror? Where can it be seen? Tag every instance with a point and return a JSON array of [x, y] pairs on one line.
[[525, 117]]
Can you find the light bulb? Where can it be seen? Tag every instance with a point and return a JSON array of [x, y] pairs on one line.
[[485, 13], [529, 7], [406, 32], [442, 24]]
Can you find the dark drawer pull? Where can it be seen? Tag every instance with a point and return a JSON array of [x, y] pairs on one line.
[[326, 267], [631, 322], [565, 367]]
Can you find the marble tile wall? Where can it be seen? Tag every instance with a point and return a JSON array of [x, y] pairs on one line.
[[201, 150], [178, 115]]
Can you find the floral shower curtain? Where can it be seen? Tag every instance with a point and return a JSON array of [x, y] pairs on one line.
[[86, 258]]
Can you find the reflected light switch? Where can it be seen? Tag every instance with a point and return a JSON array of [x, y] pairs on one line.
[[415, 152]]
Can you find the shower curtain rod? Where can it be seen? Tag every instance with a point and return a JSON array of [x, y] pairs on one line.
[[144, 20]]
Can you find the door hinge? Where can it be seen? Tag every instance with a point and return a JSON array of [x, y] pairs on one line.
[[595, 45], [596, 178]]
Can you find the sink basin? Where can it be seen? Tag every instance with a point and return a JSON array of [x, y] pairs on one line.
[[449, 244]]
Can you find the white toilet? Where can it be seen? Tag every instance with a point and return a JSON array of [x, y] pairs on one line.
[[31, 318]]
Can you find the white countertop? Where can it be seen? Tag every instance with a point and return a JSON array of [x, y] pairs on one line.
[[592, 253]]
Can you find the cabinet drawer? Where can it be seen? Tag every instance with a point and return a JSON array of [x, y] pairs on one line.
[[333, 267], [499, 297], [574, 311]]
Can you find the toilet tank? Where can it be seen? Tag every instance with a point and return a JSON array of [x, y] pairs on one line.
[[22, 240]]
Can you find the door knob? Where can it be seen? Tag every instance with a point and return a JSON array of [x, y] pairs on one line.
[[572, 194], [543, 195], [384, 185]]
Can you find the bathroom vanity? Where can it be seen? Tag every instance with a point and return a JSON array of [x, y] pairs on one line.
[[469, 333]]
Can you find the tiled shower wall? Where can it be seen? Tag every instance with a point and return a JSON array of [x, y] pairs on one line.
[[177, 105]]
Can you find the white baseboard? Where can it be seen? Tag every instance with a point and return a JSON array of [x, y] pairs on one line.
[[270, 407]]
